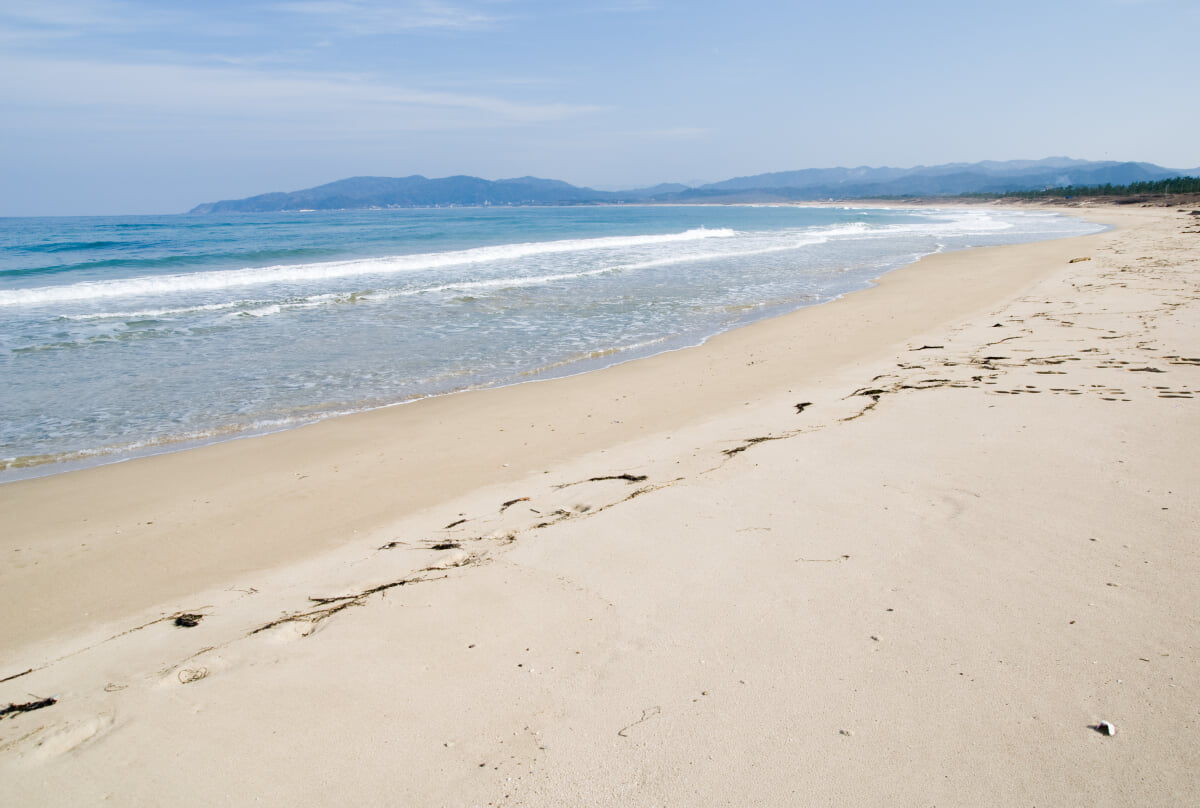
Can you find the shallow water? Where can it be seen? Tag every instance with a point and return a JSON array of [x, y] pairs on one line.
[[122, 336]]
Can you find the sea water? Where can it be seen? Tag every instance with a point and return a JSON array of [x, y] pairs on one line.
[[123, 336]]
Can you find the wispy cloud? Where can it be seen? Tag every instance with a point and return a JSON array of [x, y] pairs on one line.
[[119, 25], [62, 13], [364, 18], [83, 16], [172, 93], [96, 20], [627, 6]]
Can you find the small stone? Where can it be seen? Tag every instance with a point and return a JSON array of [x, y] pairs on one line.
[[847, 732]]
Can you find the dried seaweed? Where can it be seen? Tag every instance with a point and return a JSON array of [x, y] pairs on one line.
[[27, 707], [506, 505], [329, 606], [750, 442]]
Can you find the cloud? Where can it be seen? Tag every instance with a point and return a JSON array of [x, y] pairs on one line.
[[627, 7], [164, 95], [62, 13], [96, 21], [364, 18], [82, 16]]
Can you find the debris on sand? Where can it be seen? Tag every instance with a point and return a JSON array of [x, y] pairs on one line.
[[27, 707]]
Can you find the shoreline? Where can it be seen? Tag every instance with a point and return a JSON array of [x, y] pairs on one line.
[[119, 490], [35, 466], [96, 507], [907, 546]]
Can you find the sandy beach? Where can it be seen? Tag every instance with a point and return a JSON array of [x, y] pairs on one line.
[[911, 547]]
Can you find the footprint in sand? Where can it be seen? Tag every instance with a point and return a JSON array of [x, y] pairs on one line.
[[57, 741], [290, 631]]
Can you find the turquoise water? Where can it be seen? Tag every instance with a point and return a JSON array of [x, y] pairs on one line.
[[122, 336]]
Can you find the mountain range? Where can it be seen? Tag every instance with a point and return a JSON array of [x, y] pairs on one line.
[[806, 184]]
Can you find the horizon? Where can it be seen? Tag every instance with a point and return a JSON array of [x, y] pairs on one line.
[[122, 107], [701, 183], [1195, 171], [696, 184]]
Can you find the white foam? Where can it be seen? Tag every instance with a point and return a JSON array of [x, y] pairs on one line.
[[939, 222], [962, 221], [510, 282], [793, 241], [226, 279], [154, 314]]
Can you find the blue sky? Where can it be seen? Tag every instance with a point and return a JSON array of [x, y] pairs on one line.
[[131, 106]]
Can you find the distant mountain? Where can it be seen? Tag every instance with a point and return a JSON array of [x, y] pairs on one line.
[[807, 184], [943, 180], [661, 189], [410, 192]]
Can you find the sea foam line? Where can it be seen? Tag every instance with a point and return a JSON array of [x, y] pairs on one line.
[[265, 307], [962, 221], [225, 279]]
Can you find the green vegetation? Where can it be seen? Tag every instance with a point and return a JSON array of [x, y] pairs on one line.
[[1175, 185]]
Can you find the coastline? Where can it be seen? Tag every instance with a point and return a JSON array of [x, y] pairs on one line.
[[710, 429], [158, 422], [102, 507]]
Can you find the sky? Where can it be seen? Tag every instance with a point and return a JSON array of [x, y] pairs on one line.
[[154, 106]]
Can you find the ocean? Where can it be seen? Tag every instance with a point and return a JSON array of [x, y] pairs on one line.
[[126, 336]]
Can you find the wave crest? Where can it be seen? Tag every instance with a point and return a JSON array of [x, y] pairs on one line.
[[218, 280]]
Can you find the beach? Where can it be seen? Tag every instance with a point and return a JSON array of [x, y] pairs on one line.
[[909, 547]]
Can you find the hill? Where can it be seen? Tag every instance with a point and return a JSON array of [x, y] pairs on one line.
[[951, 179]]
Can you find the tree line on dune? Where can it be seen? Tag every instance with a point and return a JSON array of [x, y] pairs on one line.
[[1175, 185]]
